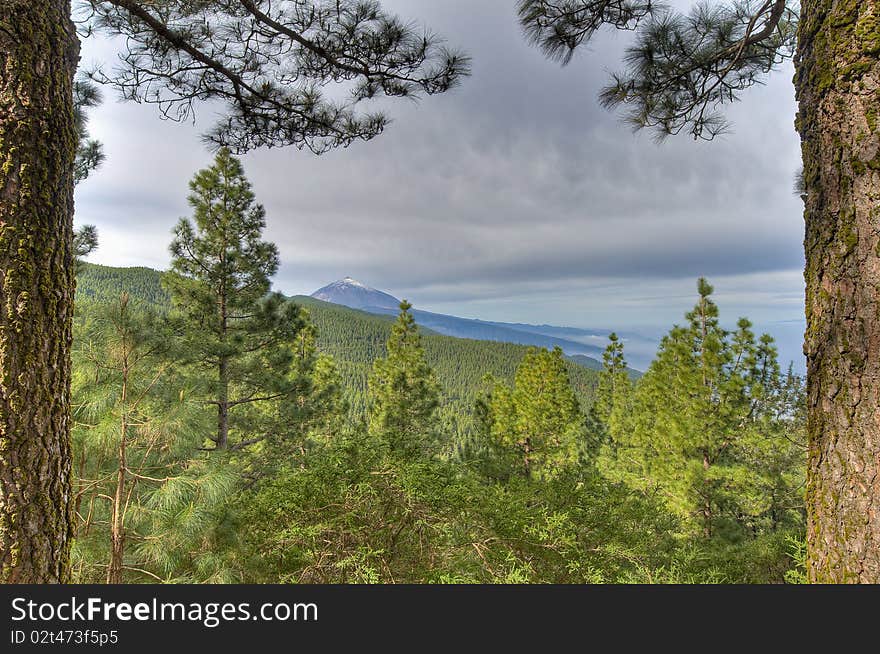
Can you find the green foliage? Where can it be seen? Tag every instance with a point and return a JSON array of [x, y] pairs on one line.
[[798, 551], [89, 152], [345, 514], [355, 339], [279, 72], [682, 67], [715, 429], [190, 534], [403, 392], [613, 406], [560, 27], [614, 380], [85, 241], [102, 284], [133, 432], [89, 157], [434, 488], [221, 246], [537, 424], [342, 515]]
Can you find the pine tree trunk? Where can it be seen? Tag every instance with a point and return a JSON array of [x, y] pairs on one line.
[[117, 531], [117, 528], [838, 84], [223, 406], [223, 369], [707, 496], [38, 56]]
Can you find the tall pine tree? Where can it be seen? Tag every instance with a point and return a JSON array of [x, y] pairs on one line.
[[133, 432], [219, 284], [612, 406]]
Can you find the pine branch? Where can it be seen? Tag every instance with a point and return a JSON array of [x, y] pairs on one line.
[[681, 68], [269, 61]]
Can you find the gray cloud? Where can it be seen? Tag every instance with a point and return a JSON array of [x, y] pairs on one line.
[[513, 197]]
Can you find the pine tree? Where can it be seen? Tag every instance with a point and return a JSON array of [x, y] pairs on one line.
[[539, 419], [704, 417], [614, 392], [133, 432], [219, 284], [611, 411], [403, 392]]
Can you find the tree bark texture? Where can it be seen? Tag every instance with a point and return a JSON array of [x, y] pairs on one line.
[[39, 50], [838, 86]]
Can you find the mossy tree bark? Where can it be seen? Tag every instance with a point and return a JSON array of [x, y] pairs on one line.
[[838, 84], [39, 50]]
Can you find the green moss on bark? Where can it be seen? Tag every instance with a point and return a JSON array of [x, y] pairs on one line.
[[837, 66], [37, 145]]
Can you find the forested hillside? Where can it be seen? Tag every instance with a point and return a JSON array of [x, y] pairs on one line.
[[105, 284], [355, 339]]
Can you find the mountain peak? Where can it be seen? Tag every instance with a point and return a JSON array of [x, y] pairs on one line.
[[351, 281], [350, 292]]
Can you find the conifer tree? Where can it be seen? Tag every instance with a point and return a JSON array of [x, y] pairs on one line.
[[133, 431], [612, 405], [539, 419], [219, 284], [403, 392]]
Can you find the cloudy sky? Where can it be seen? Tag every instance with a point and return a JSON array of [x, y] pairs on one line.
[[514, 197]]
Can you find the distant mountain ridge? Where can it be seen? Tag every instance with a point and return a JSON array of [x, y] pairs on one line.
[[586, 345], [491, 331]]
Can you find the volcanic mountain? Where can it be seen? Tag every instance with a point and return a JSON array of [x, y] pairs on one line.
[[351, 293]]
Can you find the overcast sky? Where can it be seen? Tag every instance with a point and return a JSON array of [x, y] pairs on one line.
[[514, 197]]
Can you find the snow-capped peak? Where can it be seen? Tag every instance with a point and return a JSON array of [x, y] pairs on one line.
[[351, 281], [352, 293]]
